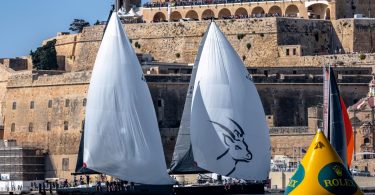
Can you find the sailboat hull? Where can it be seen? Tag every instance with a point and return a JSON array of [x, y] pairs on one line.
[[138, 189], [255, 188]]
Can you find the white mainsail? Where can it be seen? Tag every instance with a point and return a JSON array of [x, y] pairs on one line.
[[122, 138], [229, 133]]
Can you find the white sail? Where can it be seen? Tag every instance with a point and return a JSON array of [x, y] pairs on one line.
[[122, 138], [229, 133]]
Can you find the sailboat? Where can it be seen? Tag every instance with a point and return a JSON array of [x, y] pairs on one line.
[[228, 132], [122, 138]]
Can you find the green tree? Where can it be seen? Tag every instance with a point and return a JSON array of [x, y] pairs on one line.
[[78, 24], [44, 58], [97, 22]]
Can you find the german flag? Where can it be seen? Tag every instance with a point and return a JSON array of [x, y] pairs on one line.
[[322, 172], [337, 126]]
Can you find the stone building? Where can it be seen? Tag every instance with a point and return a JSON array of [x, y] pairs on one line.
[[362, 117], [158, 11]]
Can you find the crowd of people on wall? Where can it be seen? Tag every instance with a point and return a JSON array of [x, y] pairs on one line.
[[241, 16], [193, 3]]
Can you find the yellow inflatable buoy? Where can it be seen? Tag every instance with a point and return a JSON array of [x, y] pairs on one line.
[[322, 172]]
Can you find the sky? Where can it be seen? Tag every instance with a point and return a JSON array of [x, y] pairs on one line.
[[24, 24]]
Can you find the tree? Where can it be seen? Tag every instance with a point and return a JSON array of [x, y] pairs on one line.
[[78, 24], [97, 22], [44, 58]]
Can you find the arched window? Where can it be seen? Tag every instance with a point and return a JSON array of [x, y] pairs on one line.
[[66, 125], [84, 102], [207, 14], [159, 17]]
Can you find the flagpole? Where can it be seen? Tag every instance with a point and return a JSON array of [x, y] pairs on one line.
[[326, 75]]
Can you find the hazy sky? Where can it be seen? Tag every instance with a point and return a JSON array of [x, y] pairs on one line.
[[24, 24]]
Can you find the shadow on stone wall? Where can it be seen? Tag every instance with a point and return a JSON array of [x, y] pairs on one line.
[[50, 169]]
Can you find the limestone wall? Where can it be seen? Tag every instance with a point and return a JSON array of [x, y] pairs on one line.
[[365, 7], [65, 44], [14, 63], [4, 74], [312, 35], [364, 35], [165, 40], [291, 144], [257, 41], [343, 30], [56, 100]]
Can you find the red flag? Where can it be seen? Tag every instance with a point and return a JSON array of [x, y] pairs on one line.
[[348, 132]]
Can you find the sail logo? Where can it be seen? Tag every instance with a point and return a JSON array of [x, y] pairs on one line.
[[236, 145], [296, 179], [335, 178]]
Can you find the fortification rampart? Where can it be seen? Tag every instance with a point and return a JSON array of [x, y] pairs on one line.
[[259, 42]]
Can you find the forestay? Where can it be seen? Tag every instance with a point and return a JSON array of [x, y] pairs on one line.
[[229, 133], [122, 138]]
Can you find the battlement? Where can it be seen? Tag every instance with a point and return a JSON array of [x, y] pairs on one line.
[[48, 78]]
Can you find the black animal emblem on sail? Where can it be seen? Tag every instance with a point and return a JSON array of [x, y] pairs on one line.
[[236, 144]]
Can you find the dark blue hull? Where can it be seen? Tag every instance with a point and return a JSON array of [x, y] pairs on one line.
[[220, 189], [138, 189], [169, 190]]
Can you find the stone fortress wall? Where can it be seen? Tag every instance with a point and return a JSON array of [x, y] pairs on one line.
[[260, 42]]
